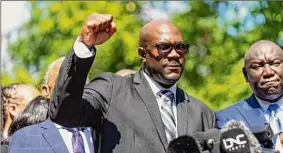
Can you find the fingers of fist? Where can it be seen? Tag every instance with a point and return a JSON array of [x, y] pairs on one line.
[[97, 29], [99, 22]]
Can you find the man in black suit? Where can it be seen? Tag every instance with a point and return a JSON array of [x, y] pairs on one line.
[[140, 113]]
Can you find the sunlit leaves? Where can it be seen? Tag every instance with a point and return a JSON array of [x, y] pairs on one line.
[[213, 70], [220, 54], [54, 26], [46, 25]]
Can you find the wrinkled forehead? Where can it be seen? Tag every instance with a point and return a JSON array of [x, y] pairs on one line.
[[264, 51]]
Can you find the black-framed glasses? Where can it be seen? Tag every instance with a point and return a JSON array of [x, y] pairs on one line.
[[165, 48]]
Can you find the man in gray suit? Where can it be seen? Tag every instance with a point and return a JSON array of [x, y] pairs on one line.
[[140, 113]]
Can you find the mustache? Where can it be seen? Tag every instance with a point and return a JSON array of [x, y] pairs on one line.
[[174, 62]]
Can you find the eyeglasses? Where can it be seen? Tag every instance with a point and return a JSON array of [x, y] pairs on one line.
[[165, 48]]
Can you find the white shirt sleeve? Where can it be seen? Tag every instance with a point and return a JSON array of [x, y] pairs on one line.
[[81, 50]]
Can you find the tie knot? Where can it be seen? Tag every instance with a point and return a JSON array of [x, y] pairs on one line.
[[167, 93], [273, 108], [73, 130]]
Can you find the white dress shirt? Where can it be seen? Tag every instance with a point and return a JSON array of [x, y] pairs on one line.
[[264, 106], [67, 137], [156, 88]]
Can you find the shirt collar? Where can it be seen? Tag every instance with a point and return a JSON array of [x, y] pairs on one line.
[[58, 126], [265, 104], [156, 86], [62, 127]]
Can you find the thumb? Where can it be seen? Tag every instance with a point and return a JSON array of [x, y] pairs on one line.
[[112, 29]]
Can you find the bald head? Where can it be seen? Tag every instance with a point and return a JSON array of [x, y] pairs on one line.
[[260, 47], [51, 76], [153, 29], [264, 70]]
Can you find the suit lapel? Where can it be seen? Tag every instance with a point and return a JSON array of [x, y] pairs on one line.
[[252, 112], [53, 137], [89, 139], [182, 112], [145, 92]]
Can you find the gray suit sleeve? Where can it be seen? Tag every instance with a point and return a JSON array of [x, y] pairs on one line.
[[209, 118], [72, 105]]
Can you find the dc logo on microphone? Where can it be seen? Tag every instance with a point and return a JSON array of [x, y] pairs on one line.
[[234, 141], [229, 143]]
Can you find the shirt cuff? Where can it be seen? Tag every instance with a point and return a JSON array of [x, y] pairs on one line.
[[82, 51]]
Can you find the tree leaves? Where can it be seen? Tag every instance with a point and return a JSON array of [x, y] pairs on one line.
[[213, 71]]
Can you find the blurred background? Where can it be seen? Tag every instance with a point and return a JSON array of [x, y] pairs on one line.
[[33, 34]]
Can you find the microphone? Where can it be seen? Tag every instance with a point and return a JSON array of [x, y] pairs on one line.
[[235, 141], [209, 140], [185, 144], [237, 138], [264, 135]]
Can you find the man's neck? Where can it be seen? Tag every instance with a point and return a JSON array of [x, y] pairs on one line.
[[155, 79], [271, 100]]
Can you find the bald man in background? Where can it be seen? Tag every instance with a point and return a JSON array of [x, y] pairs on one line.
[[48, 136], [263, 70], [50, 77], [15, 98]]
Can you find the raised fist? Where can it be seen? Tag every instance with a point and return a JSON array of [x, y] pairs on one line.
[[97, 29]]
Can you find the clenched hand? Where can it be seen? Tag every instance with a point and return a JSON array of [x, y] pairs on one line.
[[97, 29]]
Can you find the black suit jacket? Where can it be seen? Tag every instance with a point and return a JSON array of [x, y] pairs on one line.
[[125, 108]]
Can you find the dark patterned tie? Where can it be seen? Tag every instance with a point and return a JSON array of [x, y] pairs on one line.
[[167, 114], [77, 140]]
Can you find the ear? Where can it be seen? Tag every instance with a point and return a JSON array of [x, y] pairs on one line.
[[45, 91], [12, 108], [142, 54], [245, 74]]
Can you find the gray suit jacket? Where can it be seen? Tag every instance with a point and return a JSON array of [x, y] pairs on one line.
[[125, 108]]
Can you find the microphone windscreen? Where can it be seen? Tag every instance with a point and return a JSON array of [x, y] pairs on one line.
[[209, 140], [234, 141], [184, 144], [212, 140], [254, 144]]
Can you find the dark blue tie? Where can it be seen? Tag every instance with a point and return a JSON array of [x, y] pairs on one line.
[[77, 140]]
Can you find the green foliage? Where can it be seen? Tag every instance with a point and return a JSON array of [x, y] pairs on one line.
[[213, 71], [54, 26], [214, 65]]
